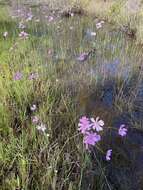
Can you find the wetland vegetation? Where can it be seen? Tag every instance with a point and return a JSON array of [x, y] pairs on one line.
[[71, 96]]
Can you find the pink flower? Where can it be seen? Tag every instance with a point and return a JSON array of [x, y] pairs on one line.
[[35, 119], [122, 130], [5, 34], [33, 107], [83, 56], [97, 124], [108, 154], [84, 125], [17, 76], [91, 139], [72, 14], [50, 18], [29, 17], [50, 51], [18, 10], [23, 35]]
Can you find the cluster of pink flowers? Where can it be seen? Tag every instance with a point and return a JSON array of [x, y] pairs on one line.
[[22, 34], [18, 76], [36, 120], [91, 130]]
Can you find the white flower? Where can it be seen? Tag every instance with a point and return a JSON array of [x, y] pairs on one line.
[[72, 14], [102, 22], [41, 127], [99, 25], [33, 107], [5, 34], [29, 17], [93, 33], [97, 124], [21, 26]]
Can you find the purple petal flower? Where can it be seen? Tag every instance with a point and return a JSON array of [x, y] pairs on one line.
[[108, 154], [23, 35], [17, 76], [97, 124], [91, 139], [50, 18], [29, 17], [122, 130], [18, 10], [84, 125], [83, 56], [35, 119]]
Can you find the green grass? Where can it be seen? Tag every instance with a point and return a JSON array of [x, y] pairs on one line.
[[30, 159]]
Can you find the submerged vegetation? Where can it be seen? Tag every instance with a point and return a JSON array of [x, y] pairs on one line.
[[56, 68]]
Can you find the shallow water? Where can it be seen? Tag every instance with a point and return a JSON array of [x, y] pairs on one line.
[[108, 83]]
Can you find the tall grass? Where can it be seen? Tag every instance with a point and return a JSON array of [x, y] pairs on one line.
[[30, 159]]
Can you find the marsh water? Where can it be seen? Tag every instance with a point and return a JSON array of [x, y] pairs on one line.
[[107, 83]]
